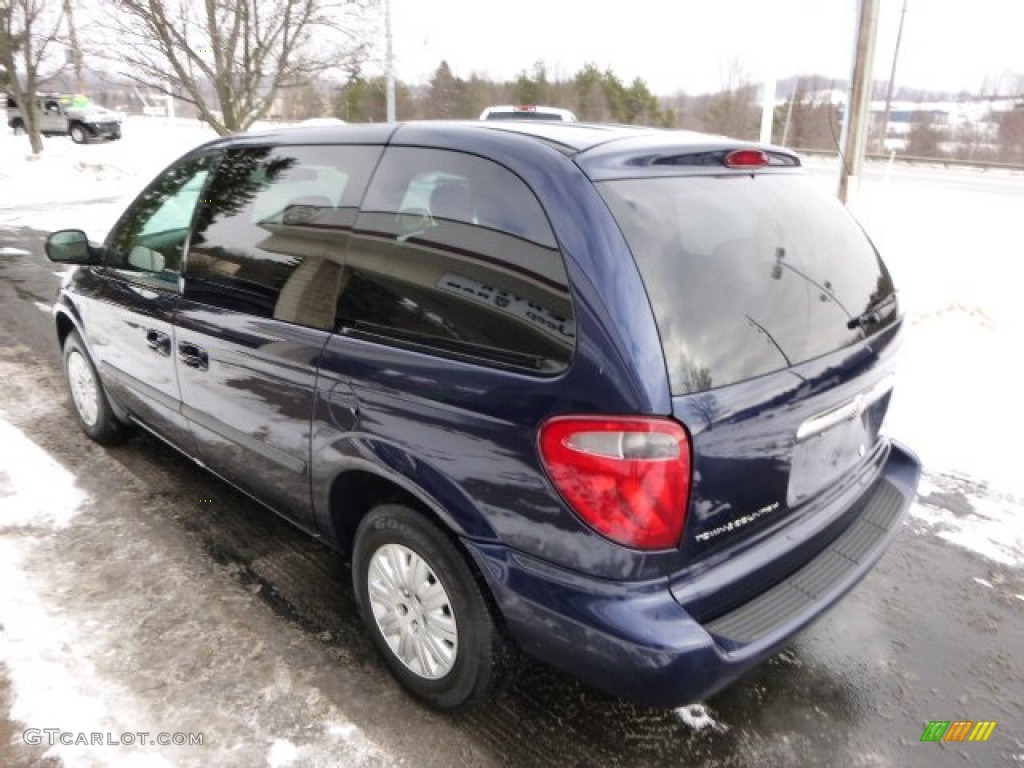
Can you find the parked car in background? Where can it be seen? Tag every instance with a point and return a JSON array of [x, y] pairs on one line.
[[527, 112], [608, 396], [69, 115]]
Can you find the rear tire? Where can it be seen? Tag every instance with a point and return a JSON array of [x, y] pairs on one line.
[[19, 128], [426, 612], [88, 399]]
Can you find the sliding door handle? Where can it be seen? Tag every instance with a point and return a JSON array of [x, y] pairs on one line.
[[193, 355], [159, 342]]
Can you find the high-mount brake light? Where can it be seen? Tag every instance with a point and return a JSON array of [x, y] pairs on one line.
[[746, 158], [526, 108], [627, 478]]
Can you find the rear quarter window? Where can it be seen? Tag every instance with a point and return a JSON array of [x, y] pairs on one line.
[[453, 255]]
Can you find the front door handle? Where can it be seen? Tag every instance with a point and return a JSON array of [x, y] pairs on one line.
[[159, 342], [193, 356]]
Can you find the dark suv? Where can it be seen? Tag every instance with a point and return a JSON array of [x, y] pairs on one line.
[[607, 396]]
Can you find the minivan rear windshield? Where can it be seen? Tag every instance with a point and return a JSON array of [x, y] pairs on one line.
[[749, 274]]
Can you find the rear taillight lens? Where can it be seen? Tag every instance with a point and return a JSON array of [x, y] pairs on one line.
[[628, 478]]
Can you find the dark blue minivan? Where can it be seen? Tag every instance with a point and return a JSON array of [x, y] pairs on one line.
[[607, 396]]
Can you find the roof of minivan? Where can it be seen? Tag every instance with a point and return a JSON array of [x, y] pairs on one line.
[[576, 137], [602, 150]]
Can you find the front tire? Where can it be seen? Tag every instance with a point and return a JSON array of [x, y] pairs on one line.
[[78, 133], [88, 399], [426, 612]]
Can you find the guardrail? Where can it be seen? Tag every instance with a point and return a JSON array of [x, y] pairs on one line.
[[947, 162]]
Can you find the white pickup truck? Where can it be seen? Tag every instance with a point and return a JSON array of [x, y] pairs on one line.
[[69, 115]]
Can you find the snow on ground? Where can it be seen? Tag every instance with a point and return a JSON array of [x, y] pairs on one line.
[[34, 489], [951, 240], [79, 175], [52, 678], [955, 254], [71, 173], [987, 524], [698, 717], [56, 659]]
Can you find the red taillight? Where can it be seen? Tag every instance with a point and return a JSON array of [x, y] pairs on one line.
[[628, 478], [746, 158]]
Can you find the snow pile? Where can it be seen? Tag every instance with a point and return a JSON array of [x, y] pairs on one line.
[[69, 172], [952, 243], [282, 754], [987, 525], [698, 717], [53, 682], [57, 658], [34, 489], [344, 737]]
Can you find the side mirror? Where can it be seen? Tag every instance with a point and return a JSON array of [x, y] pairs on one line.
[[70, 246]]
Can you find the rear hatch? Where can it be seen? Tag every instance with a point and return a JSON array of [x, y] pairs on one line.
[[777, 318]]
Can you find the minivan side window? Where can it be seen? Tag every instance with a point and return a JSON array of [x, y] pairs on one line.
[[453, 255], [270, 238], [148, 242]]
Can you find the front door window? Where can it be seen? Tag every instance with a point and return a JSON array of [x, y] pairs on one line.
[[148, 243]]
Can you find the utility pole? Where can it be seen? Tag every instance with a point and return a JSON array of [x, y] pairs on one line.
[[858, 103], [768, 108], [74, 50], [390, 63], [892, 76]]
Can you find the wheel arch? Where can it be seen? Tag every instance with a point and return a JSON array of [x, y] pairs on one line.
[[356, 490], [67, 319], [65, 325], [362, 485]]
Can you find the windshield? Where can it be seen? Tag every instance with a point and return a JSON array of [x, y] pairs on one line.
[[749, 274]]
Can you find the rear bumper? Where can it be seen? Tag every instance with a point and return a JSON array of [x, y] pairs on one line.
[[637, 642]]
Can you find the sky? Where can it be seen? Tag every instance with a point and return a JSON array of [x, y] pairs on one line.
[[693, 45]]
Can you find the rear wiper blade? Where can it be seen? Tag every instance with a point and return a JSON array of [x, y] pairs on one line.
[[874, 314]]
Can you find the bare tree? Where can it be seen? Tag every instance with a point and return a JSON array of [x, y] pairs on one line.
[[231, 59], [924, 138], [1011, 134], [733, 110], [74, 48], [28, 29]]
